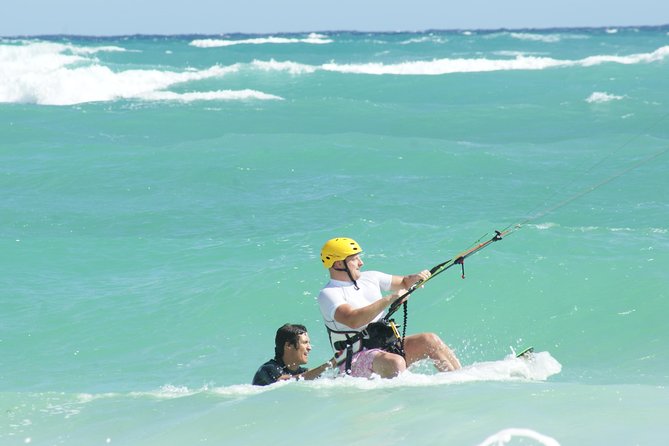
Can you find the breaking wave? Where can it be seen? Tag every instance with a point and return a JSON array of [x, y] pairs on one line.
[[313, 38], [599, 97], [464, 65], [50, 73], [57, 74]]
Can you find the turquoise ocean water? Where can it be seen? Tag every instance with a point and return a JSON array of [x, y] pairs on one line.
[[164, 200]]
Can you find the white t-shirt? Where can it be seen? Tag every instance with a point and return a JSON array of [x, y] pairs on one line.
[[371, 285]]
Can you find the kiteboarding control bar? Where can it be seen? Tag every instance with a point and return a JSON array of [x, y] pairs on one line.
[[440, 268]]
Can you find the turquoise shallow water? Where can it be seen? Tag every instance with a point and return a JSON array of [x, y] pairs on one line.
[[164, 201]]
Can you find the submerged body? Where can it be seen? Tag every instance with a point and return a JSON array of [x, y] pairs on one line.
[[274, 370]]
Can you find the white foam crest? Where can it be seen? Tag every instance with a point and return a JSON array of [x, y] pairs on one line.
[[313, 38], [40, 57], [504, 436], [539, 367], [54, 74], [461, 65], [447, 66], [655, 56], [169, 391], [218, 95], [544, 226], [547, 38], [98, 49], [88, 397], [425, 39], [539, 37], [31, 48], [507, 53], [247, 389], [599, 97], [291, 67], [67, 86]]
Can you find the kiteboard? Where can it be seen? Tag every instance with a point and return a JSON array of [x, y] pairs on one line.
[[525, 353]]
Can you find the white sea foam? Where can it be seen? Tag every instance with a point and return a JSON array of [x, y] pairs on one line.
[[548, 38], [9, 48], [538, 368], [505, 53], [655, 56], [463, 65], [291, 67], [506, 435], [247, 389], [446, 66], [599, 97], [56, 74], [425, 39], [544, 226], [221, 95], [97, 49], [168, 391], [63, 74], [313, 38]]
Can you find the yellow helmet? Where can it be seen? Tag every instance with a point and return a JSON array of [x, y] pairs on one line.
[[338, 249]]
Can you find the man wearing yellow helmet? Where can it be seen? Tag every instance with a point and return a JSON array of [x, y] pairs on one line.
[[353, 299]]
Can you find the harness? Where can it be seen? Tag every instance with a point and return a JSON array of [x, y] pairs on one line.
[[382, 334]]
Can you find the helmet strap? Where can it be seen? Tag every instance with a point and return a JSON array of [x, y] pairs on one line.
[[348, 271]]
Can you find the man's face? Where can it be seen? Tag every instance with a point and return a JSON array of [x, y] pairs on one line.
[[298, 355], [354, 264]]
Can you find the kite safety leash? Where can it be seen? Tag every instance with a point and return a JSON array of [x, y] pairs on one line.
[[460, 258], [499, 235]]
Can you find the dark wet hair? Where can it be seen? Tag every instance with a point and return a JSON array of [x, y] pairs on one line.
[[287, 333]]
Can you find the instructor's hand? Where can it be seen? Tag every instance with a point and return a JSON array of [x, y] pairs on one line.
[[336, 358]]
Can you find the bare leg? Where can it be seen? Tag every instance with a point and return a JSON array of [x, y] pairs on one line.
[[388, 365], [429, 345]]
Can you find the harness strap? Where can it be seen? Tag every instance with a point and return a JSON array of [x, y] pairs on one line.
[[368, 339], [347, 344]]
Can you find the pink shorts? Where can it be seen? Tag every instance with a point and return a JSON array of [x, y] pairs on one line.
[[361, 365]]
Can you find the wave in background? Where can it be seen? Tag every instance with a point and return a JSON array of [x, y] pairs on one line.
[[49, 73], [313, 38], [57, 74]]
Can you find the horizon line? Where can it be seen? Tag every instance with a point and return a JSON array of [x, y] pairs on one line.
[[349, 31]]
